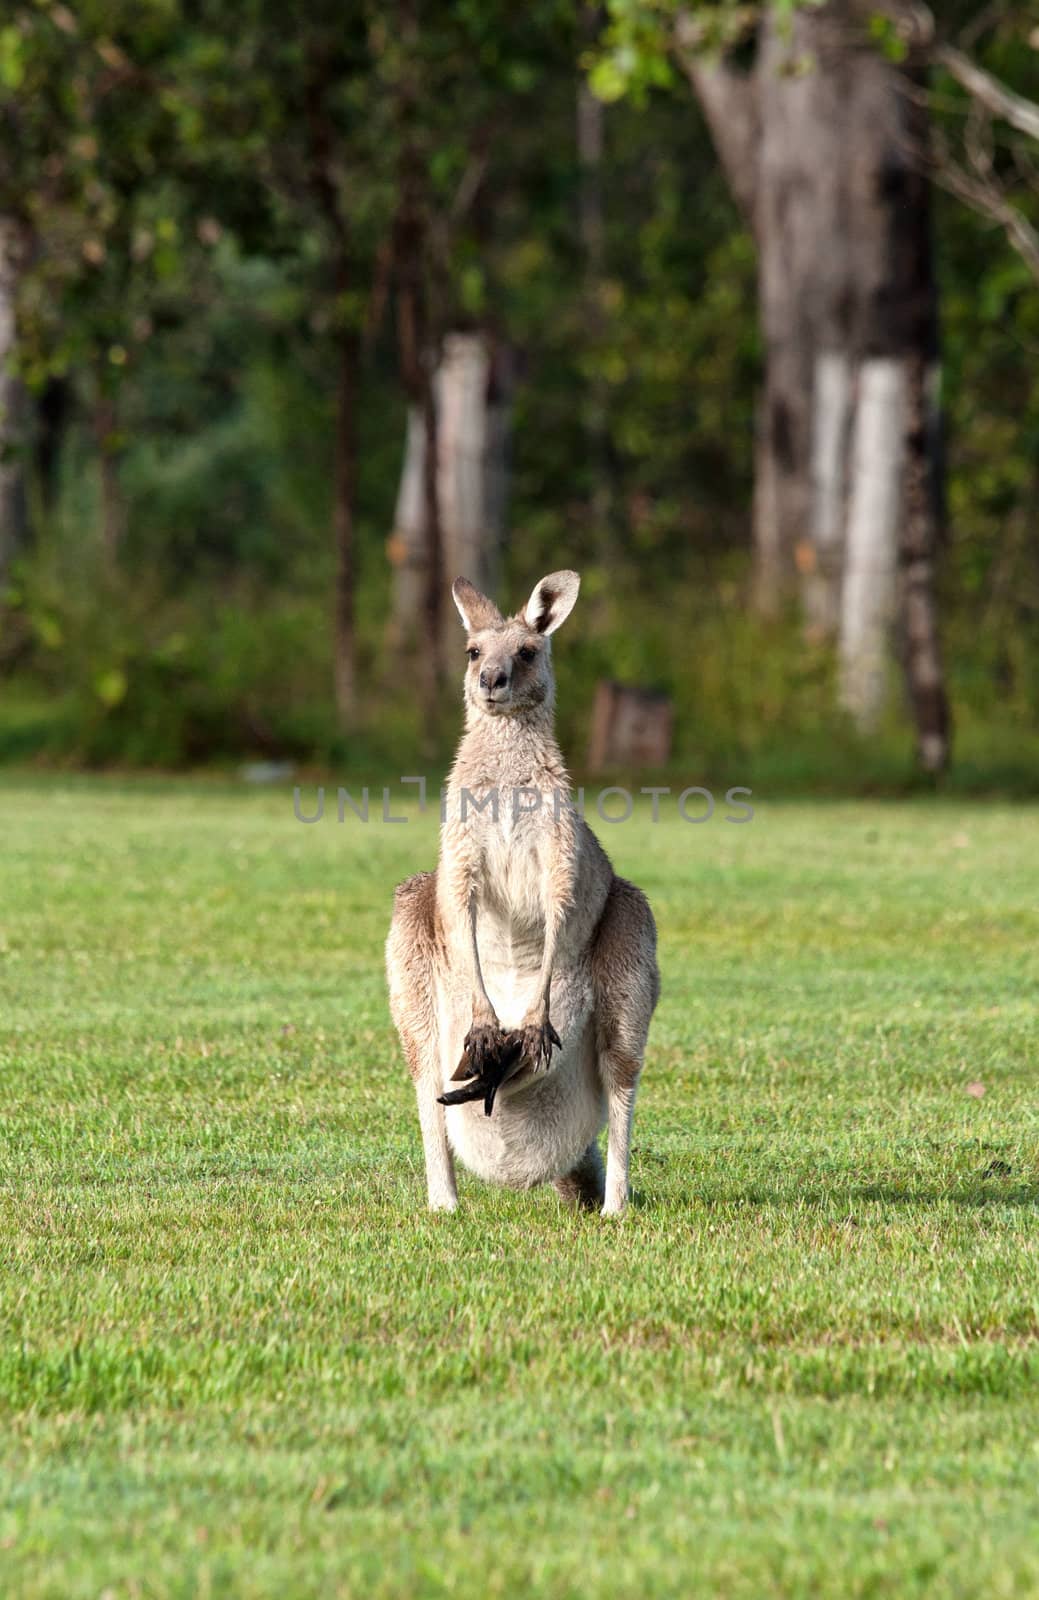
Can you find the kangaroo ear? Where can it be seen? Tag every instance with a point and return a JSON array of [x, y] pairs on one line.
[[474, 608], [552, 601]]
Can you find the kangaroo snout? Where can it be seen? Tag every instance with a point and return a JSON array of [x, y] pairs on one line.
[[492, 679]]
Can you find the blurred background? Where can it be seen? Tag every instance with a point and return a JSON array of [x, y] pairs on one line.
[[733, 307]]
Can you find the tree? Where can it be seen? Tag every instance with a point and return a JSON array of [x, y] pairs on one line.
[[30, 114], [13, 514], [470, 413], [823, 137], [289, 125], [99, 234], [461, 85]]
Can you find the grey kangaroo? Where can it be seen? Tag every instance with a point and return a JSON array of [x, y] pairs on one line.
[[523, 959]]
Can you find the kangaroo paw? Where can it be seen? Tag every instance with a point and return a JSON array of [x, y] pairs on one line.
[[482, 1047], [539, 1039]]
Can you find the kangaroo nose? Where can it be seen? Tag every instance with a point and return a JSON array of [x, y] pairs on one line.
[[492, 678]]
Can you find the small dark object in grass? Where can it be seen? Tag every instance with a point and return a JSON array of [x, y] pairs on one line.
[[500, 1065], [997, 1169]]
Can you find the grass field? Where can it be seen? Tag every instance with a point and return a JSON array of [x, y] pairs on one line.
[[238, 1358]]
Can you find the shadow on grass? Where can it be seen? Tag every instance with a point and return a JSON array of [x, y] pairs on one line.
[[977, 1196]]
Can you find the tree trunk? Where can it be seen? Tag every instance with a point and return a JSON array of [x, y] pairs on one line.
[[344, 477], [471, 395], [52, 417], [14, 521], [320, 176], [473, 433], [894, 487], [420, 633], [774, 125], [417, 344], [874, 515], [795, 235], [407, 543], [113, 510], [832, 407], [924, 501], [925, 676], [433, 607], [824, 142], [591, 115]]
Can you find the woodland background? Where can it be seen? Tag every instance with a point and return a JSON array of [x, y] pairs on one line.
[[664, 292]]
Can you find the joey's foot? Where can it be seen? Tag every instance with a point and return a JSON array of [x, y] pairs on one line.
[[499, 1066], [483, 1045], [538, 1041]]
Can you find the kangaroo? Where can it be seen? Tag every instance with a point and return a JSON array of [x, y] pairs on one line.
[[523, 960]]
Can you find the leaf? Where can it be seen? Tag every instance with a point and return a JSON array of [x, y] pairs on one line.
[[12, 64], [48, 631], [111, 686], [608, 81]]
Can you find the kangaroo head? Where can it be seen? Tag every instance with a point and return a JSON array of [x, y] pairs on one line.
[[510, 660]]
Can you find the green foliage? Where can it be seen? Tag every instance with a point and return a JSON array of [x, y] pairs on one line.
[[884, 31], [184, 293]]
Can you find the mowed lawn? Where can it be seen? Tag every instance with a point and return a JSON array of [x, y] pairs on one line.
[[238, 1358]]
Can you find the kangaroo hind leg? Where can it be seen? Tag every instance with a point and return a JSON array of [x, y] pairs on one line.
[[411, 956], [582, 1186], [627, 987]]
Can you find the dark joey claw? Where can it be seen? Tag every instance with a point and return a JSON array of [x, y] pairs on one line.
[[539, 1038], [499, 1063]]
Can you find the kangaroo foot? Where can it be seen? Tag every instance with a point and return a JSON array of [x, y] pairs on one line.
[[499, 1064]]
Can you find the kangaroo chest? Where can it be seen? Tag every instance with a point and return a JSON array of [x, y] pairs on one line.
[[510, 869]]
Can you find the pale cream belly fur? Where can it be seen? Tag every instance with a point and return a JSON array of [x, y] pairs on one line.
[[540, 1126]]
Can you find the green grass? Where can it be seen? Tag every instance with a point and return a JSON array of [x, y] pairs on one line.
[[238, 1358]]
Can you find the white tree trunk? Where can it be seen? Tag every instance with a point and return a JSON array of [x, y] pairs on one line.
[[824, 141], [407, 544], [472, 429], [462, 385], [874, 518], [831, 417]]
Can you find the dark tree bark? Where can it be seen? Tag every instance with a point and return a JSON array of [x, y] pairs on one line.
[[52, 416], [917, 332], [322, 184], [917, 565], [418, 347], [591, 114], [344, 499], [113, 509], [14, 518], [417, 365]]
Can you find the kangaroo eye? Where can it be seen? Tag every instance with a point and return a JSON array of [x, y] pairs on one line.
[[527, 654], [472, 652]]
